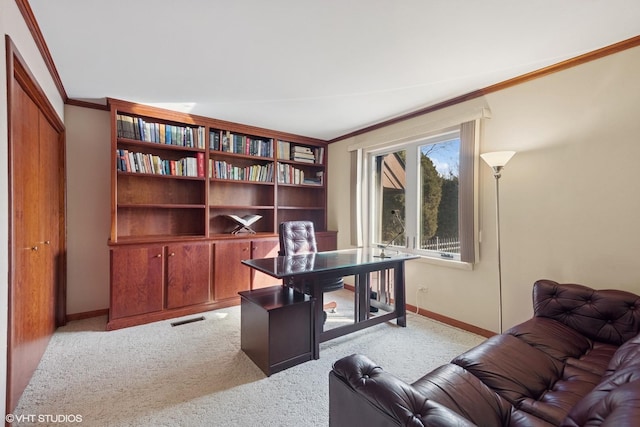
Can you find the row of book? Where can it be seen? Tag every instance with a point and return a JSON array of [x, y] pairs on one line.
[[134, 162], [230, 142], [288, 174], [300, 153], [223, 170], [161, 133]]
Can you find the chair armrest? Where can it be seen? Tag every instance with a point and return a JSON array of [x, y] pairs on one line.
[[362, 394]]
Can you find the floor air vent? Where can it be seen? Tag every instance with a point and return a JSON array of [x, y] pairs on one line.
[[185, 321]]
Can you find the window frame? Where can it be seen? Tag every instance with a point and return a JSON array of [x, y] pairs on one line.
[[412, 193]]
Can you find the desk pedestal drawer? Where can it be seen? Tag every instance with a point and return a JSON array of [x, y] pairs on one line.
[[276, 327]]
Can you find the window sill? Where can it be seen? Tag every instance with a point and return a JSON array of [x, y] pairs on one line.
[[433, 260], [449, 263]]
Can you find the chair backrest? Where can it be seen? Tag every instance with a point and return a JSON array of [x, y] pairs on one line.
[[297, 237]]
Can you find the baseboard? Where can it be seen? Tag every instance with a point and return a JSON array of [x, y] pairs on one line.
[[87, 314], [451, 322], [442, 319]]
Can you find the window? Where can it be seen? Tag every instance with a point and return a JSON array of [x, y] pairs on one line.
[[421, 195]]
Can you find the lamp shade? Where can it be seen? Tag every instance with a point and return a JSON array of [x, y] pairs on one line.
[[497, 158]]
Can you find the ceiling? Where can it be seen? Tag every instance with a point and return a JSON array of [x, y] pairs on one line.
[[319, 68]]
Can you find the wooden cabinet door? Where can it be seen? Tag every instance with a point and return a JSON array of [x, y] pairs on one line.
[[230, 276], [188, 274], [136, 280], [264, 248]]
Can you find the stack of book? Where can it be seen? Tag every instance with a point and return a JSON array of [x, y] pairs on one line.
[[318, 180], [302, 154]]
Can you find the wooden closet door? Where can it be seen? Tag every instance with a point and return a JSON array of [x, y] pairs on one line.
[[31, 319], [37, 227], [52, 218]]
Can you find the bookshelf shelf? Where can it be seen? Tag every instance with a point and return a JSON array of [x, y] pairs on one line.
[[223, 154], [159, 176], [157, 146], [159, 206], [240, 181], [228, 207], [297, 208], [312, 186], [302, 164], [177, 182]]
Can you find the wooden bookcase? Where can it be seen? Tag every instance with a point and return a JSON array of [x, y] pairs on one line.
[[174, 178]]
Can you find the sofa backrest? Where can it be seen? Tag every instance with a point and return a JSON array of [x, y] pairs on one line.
[[610, 316]]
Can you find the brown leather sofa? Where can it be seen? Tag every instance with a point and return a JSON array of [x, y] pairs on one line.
[[575, 363]]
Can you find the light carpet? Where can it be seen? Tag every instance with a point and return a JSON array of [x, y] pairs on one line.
[[196, 374]]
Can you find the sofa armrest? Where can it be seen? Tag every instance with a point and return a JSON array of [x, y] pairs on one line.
[[362, 394], [610, 316]]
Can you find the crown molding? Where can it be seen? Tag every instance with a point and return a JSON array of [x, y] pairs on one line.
[[87, 104]]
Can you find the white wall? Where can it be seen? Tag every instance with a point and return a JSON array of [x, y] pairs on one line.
[[11, 23], [569, 198], [88, 208]]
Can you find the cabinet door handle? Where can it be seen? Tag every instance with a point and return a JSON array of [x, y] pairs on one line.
[[159, 256], [172, 254], [34, 248]]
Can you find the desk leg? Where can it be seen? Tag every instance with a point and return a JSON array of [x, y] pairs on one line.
[[401, 308], [362, 297], [318, 316]]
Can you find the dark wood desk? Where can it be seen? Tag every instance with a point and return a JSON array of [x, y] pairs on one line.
[[350, 262]]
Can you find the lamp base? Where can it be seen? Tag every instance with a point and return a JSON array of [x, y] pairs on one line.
[[382, 255]]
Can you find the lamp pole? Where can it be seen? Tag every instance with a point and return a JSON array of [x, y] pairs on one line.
[[497, 175], [496, 161]]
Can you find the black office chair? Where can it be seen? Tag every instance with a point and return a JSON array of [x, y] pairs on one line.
[[298, 237]]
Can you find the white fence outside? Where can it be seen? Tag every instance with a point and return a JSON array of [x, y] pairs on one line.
[[449, 244]]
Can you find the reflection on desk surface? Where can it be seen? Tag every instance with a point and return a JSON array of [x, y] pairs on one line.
[[284, 266]]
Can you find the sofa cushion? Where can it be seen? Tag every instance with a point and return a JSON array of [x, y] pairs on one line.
[[565, 344], [511, 367], [457, 389], [595, 360], [552, 337]]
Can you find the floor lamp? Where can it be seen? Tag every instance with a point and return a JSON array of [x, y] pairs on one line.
[[497, 160]]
